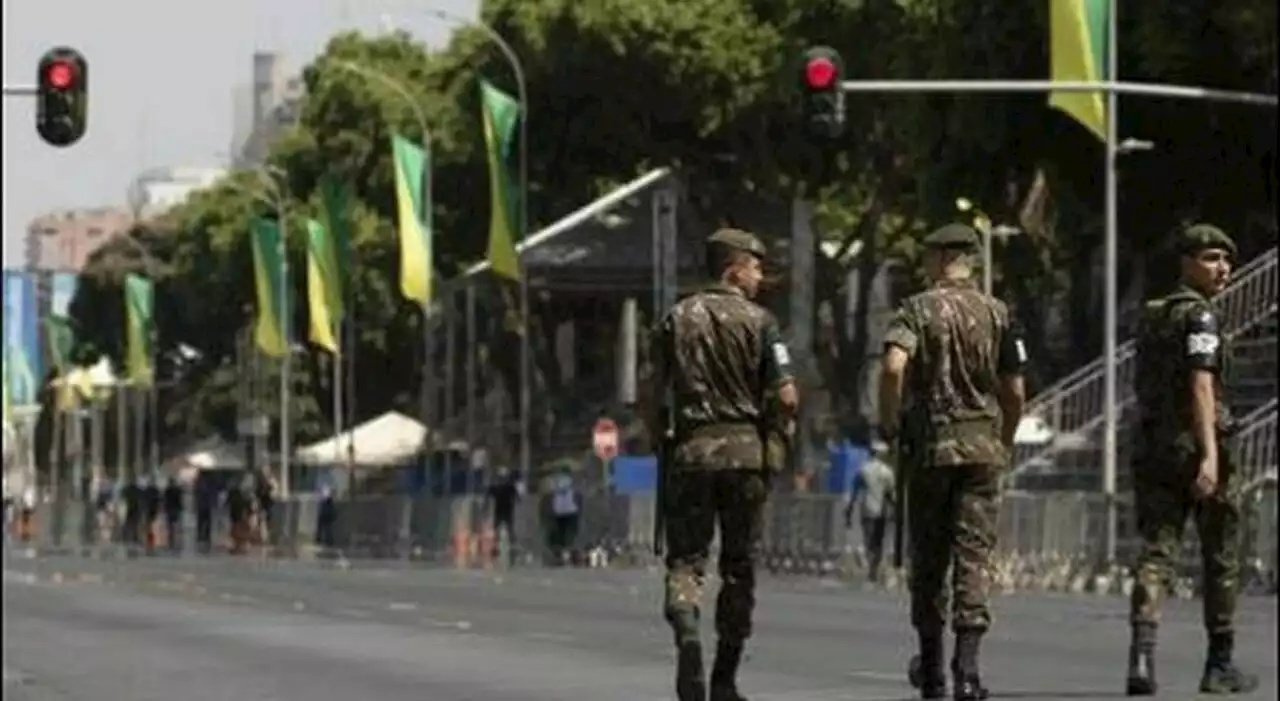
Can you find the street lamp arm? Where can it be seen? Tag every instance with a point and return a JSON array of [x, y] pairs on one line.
[[396, 87], [508, 52]]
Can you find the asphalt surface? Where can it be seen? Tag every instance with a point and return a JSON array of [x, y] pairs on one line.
[[224, 629]]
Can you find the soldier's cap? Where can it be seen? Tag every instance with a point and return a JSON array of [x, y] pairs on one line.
[[739, 240], [954, 237], [1193, 239]]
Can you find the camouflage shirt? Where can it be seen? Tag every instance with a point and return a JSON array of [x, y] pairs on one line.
[[1177, 333], [960, 341], [719, 354]]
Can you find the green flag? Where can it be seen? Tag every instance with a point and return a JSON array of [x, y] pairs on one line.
[[139, 306], [335, 198], [60, 339], [413, 214], [324, 291], [1078, 53], [271, 331], [499, 113]]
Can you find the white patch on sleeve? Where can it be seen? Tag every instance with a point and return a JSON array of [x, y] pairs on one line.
[[1022, 350], [780, 355], [1202, 344]]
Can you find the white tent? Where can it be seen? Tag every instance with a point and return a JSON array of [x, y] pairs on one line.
[[208, 454], [389, 439]]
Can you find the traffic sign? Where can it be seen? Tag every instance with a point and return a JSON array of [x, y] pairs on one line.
[[604, 438]]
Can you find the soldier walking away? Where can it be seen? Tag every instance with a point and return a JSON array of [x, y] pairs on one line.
[[720, 367], [873, 491], [1184, 466], [951, 392]]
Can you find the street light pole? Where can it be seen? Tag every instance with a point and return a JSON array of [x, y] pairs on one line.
[[428, 335], [517, 68], [153, 401], [265, 174]]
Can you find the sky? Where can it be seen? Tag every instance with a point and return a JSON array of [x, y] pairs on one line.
[[162, 74]]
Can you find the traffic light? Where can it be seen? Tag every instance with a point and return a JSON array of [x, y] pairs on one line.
[[62, 97], [822, 71]]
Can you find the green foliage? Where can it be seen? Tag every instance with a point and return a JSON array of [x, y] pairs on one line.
[[618, 86]]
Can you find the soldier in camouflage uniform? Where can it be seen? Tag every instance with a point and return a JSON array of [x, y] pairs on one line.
[[720, 360], [1183, 466], [952, 379]]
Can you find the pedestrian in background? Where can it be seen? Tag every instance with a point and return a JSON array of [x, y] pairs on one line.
[[872, 495]]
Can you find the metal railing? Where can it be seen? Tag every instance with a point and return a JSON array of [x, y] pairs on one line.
[[1074, 403]]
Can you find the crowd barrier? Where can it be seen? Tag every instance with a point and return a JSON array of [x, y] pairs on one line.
[[1046, 540]]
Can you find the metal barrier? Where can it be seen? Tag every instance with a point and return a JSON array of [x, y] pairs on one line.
[[1047, 540]]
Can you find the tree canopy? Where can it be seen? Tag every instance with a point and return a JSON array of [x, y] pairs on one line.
[[708, 86]]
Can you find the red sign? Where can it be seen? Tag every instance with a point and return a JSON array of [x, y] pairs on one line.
[[604, 438]]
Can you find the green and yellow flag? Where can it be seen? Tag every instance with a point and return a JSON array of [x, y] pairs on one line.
[[324, 288], [1078, 53], [413, 209], [499, 113], [271, 331], [139, 307]]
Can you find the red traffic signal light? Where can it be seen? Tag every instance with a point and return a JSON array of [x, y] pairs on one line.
[[60, 74], [62, 96], [820, 72]]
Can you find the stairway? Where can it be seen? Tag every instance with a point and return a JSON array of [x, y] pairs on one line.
[[1072, 407]]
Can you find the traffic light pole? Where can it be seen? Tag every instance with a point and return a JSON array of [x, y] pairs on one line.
[[1113, 89]]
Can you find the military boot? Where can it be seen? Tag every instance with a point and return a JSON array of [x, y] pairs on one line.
[[925, 672], [724, 672], [1221, 676], [1142, 662], [691, 679], [964, 667]]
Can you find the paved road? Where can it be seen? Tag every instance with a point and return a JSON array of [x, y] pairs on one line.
[[235, 630]]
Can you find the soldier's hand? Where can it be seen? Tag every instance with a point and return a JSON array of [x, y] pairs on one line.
[[1206, 483]]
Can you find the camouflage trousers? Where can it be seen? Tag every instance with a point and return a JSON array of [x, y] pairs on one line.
[[953, 514], [1164, 501], [697, 501]]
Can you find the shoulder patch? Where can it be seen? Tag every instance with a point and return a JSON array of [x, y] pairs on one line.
[[781, 355], [1202, 344]]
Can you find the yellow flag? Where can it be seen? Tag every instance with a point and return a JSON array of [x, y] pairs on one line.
[[321, 288]]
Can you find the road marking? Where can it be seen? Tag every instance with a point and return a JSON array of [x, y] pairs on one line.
[[354, 613], [900, 677], [402, 606]]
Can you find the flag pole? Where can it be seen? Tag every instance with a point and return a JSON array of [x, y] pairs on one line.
[[1110, 293]]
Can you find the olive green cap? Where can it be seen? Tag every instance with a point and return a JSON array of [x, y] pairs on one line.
[[959, 236], [1198, 237], [738, 240]]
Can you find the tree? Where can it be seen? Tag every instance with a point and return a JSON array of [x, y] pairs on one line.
[[707, 86]]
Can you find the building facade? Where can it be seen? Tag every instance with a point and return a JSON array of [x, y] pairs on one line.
[[157, 191], [64, 240]]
